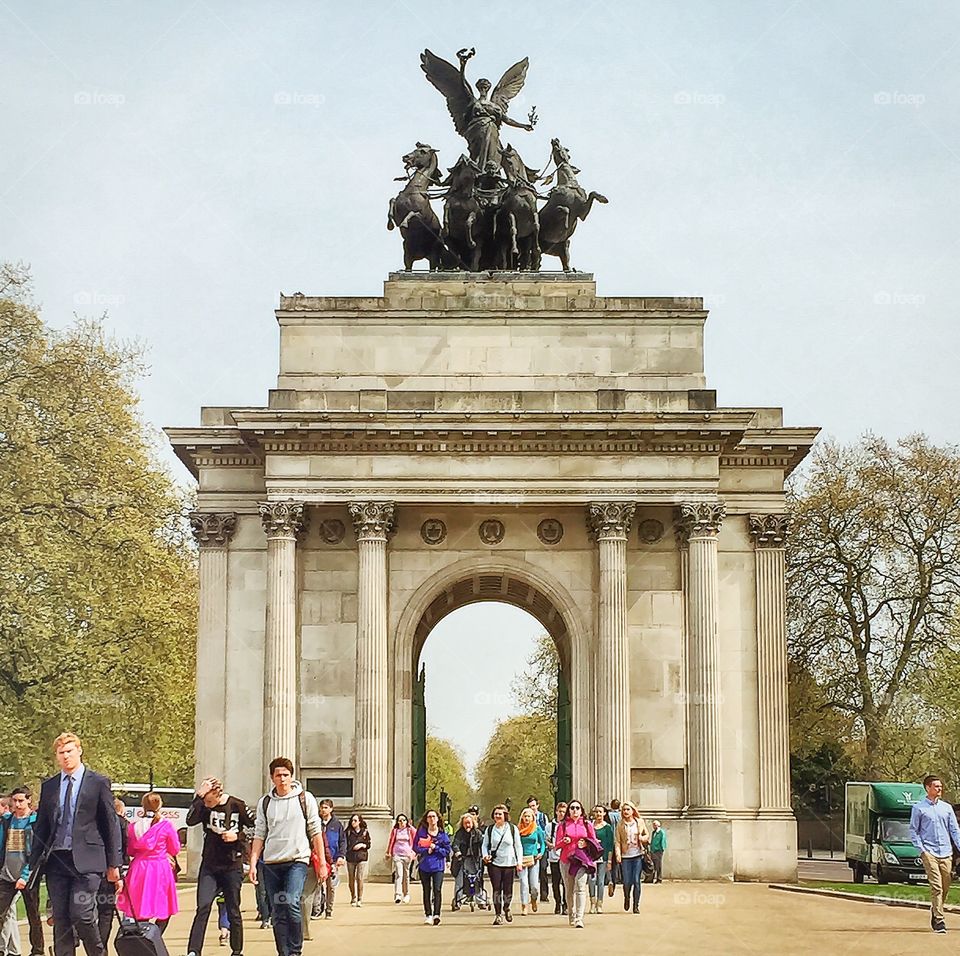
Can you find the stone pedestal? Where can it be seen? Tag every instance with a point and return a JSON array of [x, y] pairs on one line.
[[699, 524], [282, 522], [372, 521], [609, 523]]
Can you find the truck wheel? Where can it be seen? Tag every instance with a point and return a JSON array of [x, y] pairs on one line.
[[857, 873], [882, 877]]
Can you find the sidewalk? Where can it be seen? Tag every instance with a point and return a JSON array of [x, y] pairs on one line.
[[719, 919]]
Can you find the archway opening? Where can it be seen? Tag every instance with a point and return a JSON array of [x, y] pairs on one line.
[[491, 633]]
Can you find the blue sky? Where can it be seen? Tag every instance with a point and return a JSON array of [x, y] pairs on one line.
[[178, 165]]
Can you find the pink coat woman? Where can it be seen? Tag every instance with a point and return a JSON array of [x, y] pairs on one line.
[[150, 890]]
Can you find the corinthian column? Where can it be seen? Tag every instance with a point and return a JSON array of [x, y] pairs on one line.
[[373, 521], [282, 521], [213, 531], [609, 523], [769, 535], [699, 525]]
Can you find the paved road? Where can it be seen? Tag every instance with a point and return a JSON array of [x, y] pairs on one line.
[[713, 919]]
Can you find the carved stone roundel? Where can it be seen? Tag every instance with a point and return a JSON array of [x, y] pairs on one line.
[[332, 530], [491, 531], [650, 530], [550, 531], [433, 531]]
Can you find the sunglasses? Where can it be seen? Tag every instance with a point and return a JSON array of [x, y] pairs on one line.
[[574, 806]]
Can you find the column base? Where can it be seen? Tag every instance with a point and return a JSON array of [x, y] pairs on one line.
[[707, 813], [776, 813]]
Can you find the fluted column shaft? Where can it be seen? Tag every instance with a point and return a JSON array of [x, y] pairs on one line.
[[769, 533], [213, 531], [610, 524], [699, 525], [282, 522], [373, 522]]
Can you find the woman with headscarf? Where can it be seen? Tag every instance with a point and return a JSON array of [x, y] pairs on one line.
[[534, 844]]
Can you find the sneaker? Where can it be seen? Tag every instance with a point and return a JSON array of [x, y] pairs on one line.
[[599, 907], [224, 936], [498, 920], [396, 899], [428, 920], [941, 927], [406, 898], [359, 902], [436, 921], [353, 902], [264, 924], [579, 924], [508, 915]]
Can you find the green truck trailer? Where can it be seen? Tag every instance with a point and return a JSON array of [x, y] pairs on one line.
[[877, 832]]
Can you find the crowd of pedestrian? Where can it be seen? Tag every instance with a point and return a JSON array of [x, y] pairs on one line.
[[101, 869]]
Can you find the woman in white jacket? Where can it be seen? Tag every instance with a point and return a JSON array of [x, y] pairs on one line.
[[503, 854]]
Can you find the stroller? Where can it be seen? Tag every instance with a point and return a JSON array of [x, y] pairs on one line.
[[470, 891]]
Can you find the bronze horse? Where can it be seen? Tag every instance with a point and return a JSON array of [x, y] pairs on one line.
[[517, 226], [411, 213], [567, 203], [462, 234]]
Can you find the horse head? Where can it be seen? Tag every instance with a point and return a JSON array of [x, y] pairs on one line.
[[566, 171], [421, 164], [462, 176]]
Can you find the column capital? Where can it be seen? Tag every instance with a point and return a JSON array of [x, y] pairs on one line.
[[373, 520], [770, 531], [610, 519], [213, 528], [283, 519], [699, 519]]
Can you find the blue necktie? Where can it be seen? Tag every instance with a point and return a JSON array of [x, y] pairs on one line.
[[65, 829]]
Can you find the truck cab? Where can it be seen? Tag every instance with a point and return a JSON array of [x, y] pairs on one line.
[[877, 831]]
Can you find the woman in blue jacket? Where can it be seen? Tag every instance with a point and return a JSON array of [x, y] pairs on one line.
[[432, 846]]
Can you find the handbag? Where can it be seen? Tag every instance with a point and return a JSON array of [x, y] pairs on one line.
[[527, 861]]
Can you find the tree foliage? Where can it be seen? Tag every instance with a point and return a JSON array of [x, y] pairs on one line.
[[447, 771], [97, 574], [534, 690], [518, 761], [873, 586]]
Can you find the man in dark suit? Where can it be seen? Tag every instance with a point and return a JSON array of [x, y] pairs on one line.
[[78, 836]]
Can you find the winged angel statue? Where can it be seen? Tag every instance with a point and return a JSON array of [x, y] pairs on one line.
[[477, 118], [491, 217]]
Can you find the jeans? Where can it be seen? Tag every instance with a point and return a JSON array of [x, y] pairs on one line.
[[401, 876], [432, 884], [31, 901], [556, 878], [285, 887], [631, 868], [597, 881], [211, 883], [263, 898], [501, 880], [530, 882], [576, 887], [73, 899], [355, 874]]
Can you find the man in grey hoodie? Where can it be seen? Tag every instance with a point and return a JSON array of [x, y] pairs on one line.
[[287, 826]]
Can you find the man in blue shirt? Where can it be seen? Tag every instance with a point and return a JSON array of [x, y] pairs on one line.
[[933, 828]]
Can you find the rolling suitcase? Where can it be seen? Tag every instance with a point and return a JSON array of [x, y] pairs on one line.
[[138, 938]]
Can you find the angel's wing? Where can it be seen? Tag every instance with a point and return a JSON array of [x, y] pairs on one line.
[[451, 83], [510, 84]]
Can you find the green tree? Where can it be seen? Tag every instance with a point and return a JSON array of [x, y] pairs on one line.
[[873, 585], [97, 572], [517, 762], [446, 771], [534, 690]]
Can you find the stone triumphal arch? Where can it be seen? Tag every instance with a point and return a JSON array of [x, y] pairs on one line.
[[511, 437]]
